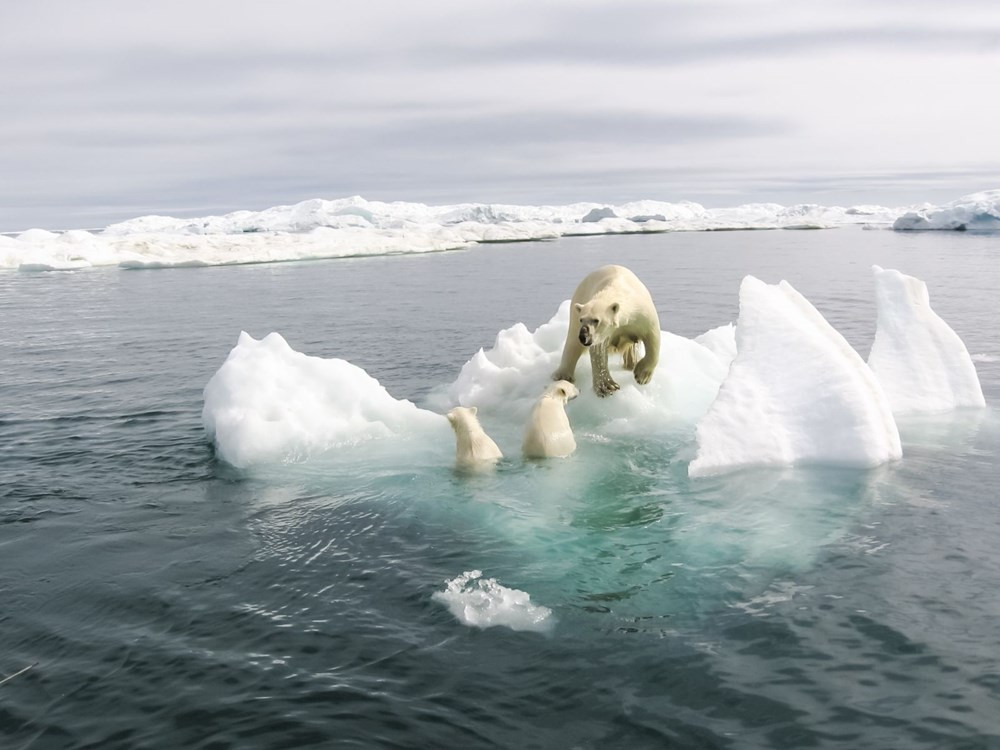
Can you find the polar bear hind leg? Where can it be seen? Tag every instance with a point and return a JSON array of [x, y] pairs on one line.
[[644, 367], [628, 347]]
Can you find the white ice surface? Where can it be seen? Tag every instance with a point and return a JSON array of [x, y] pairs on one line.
[[509, 377], [721, 342], [354, 226], [483, 603], [920, 361], [975, 212], [269, 403], [796, 392], [778, 388]]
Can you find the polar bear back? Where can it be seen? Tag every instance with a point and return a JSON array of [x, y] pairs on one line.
[[549, 434], [473, 447], [620, 285]]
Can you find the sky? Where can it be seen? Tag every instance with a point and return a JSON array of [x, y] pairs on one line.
[[111, 110]]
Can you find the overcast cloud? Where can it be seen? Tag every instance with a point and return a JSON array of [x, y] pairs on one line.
[[115, 109]]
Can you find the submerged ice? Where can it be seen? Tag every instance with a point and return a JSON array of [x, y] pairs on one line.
[[354, 226], [779, 387]]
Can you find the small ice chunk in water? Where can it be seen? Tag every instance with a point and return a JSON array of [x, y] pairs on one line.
[[484, 603], [922, 363]]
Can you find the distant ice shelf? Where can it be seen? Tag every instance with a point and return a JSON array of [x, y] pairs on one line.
[[978, 212], [353, 226]]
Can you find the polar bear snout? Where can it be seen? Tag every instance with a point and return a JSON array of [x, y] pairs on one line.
[[588, 331]]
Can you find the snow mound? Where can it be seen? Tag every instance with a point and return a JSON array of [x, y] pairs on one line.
[[920, 361], [483, 603], [796, 392], [507, 379], [270, 403], [978, 212], [721, 342]]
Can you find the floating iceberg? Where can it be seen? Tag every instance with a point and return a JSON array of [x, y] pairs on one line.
[[978, 212], [920, 361], [796, 392], [270, 403], [484, 603]]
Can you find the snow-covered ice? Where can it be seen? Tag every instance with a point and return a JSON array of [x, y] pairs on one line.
[[269, 403], [320, 228], [509, 377], [978, 212], [484, 603], [796, 392], [920, 361], [780, 387]]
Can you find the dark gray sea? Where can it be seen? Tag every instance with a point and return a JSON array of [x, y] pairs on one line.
[[160, 599]]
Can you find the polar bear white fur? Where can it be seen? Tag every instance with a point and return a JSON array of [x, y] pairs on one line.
[[549, 434], [474, 449], [611, 312]]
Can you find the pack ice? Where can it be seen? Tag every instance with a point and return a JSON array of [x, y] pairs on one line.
[[781, 387]]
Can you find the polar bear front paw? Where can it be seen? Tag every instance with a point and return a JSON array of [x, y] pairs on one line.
[[643, 372], [605, 387]]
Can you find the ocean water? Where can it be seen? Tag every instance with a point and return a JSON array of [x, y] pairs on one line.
[[163, 599]]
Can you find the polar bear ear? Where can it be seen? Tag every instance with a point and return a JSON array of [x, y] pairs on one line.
[[473, 410], [579, 307], [614, 308]]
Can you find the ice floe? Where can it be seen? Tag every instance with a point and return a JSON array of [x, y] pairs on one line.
[[978, 212], [920, 361], [269, 403], [510, 376], [796, 392], [780, 387]]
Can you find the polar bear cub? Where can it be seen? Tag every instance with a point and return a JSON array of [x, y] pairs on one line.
[[612, 311], [549, 434], [474, 449]]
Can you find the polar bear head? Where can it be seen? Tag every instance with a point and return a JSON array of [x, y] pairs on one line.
[[597, 321], [561, 390]]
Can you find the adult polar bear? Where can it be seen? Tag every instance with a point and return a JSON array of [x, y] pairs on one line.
[[613, 311]]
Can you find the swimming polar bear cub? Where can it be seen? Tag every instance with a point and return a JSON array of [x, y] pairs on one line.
[[474, 449], [549, 434], [612, 311]]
